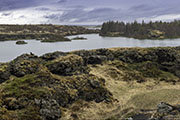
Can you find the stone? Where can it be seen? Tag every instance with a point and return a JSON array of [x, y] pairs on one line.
[[49, 109], [164, 108]]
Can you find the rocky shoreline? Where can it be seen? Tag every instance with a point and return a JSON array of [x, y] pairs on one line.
[[45, 33], [107, 84]]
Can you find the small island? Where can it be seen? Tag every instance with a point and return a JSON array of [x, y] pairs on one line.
[[54, 38], [151, 30], [79, 38], [21, 42]]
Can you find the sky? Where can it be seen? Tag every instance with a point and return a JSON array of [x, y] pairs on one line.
[[86, 12]]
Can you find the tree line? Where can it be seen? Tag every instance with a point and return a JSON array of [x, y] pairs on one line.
[[140, 30]]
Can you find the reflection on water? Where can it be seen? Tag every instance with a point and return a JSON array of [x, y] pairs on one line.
[[9, 50]]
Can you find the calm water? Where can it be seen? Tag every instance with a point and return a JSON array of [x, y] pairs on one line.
[[9, 50]]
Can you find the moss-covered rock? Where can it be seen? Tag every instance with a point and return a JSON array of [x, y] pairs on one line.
[[67, 65], [45, 94], [52, 56], [4, 73], [24, 64]]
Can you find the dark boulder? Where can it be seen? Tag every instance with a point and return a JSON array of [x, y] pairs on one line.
[[67, 65], [49, 109], [164, 108], [95, 59], [94, 90], [95, 56], [129, 56], [24, 64], [105, 52], [52, 56], [4, 73], [165, 55]]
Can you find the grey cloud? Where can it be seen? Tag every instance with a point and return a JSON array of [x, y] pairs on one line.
[[62, 1], [22, 16], [98, 14], [6, 14], [94, 10], [43, 9], [15, 4], [141, 8], [20, 4]]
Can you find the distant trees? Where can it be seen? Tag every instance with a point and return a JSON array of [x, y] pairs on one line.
[[141, 30]]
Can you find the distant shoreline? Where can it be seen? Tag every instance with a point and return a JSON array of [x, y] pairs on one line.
[[44, 33]]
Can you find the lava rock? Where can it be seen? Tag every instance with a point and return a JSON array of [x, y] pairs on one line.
[[52, 56], [164, 108], [24, 64], [4, 73], [67, 65], [49, 109]]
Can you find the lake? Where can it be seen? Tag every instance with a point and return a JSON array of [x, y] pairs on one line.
[[9, 50]]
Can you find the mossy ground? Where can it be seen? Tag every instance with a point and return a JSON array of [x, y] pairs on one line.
[[133, 85]]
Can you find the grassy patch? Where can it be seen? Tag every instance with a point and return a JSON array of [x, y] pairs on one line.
[[20, 87], [149, 100]]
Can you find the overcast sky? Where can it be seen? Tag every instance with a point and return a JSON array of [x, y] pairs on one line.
[[86, 11]]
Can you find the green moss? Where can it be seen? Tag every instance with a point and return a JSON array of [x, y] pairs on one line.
[[20, 87], [3, 67]]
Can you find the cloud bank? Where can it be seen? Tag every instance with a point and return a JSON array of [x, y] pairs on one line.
[[86, 11]]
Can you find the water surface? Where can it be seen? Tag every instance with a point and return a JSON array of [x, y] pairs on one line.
[[9, 50]]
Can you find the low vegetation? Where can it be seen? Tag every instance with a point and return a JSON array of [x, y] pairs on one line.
[[102, 84]]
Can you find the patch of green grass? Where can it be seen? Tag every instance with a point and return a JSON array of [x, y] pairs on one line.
[[3, 67], [24, 87]]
